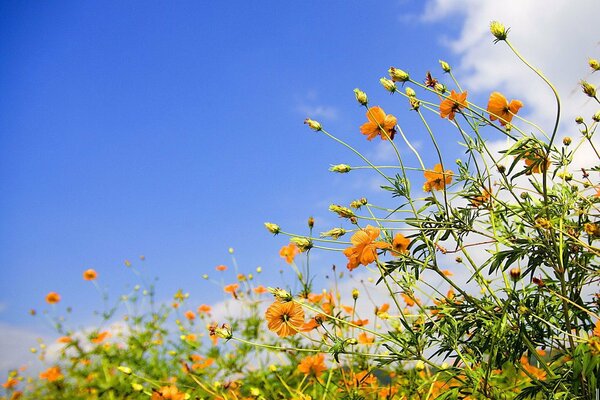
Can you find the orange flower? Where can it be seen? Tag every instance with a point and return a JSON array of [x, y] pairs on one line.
[[99, 338], [447, 272], [363, 338], [168, 393], [221, 267], [204, 308], [190, 315], [309, 325], [365, 248], [10, 383], [454, 102], [437, 179], [52, 298], [596, 331], [388, 392], [90, 274], [400, 244], [312, 365], [536, 162], [361, 322], [289, 252], [408, 299], [482, 199], [348, 309], [52, 374], [64, 339], [260, 289], [231, 289], [500, 108], [285, 319], [200, 362], [383, 308], [379, 124]]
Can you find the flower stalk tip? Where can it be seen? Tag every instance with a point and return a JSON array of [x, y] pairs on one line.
[[499, 31], [340, 168], [312, 124]]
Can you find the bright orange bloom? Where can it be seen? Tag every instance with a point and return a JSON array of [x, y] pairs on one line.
[[285, 319], [100, 337], [200, 362], [289, 252], [437, 179], [221, 268], [388, 392], [500, 108], [364, 378], [363, 338], [447, 272], [361, 322], [64, 339], [260, 289], [190, 315], [348, 309], [365, 248], [383, 308], [10, 383], [90, 274], [312, 365], [454, 102], [400, 244], [309, 325], [52, 374], [168, 393], [204, 308], [408, 299], [536, 162], [52, 298], [379, 124], [232, 289]]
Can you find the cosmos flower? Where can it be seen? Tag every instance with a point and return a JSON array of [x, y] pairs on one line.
[[285, 319], [379, 124]]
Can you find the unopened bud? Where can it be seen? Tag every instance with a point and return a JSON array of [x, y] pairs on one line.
[[420, 366], [361, 97], [567, 140], [398, 75], [588, 88], [498, 30], [340, 168], [304, 244], [125, 370], [334, 233], [137, 387], [440, 88], [273, 228], [314, 125], [388, 84], [343, 212], [515, 273], [311, 222], [410, 92], [594, 64], [579, 119], [281, 294], [445, 66], [224, 332], [596, 116], [355, 294]]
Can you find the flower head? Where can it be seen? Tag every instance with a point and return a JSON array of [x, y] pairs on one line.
[[289, 252], [52, 298], [312, 365], [536, 162], [498, 30], [52, 374], [273, 228], [90, 274], [285, 319], [400, 244], [454, 102], [379, 124], [437, 179], [500, 108], [231, 289], [168, 393], [98, 338], [364, 249]]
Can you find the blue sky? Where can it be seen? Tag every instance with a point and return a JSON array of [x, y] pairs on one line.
[[174, 130]]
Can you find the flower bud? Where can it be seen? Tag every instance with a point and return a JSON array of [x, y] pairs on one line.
[[594, 64], [311, 222], [314, 125], [304, 244], [259, 269], [567, 140], [230, 250], [281, 294], [340, 168], [361, 97], [125, 370], [389, 85], [445, 66], [596, 116], [410, 92], [588, 88], [398, 75], [205, 276], [355, 294], [273, 228], [420, 365], [498, 30], [137, 387], [440, 88], [343, 212], [334, 233], [224, 332], [542, 223], [579, 120], [515, 273]]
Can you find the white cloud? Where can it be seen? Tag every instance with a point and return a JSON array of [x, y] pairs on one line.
[[15, 345], [310, 106]]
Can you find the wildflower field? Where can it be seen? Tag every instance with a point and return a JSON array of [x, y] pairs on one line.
[[482, 277]]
